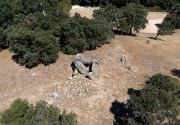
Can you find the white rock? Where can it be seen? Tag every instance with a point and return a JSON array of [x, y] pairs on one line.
[[69, 78], [55, 95]]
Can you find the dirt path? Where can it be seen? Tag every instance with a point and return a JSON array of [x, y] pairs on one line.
[[155, 19], [94, 101]]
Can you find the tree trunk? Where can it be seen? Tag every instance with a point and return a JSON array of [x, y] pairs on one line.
[[130, 30], [156, 36]]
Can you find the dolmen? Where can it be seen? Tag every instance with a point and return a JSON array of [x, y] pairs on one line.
[[83, 64]]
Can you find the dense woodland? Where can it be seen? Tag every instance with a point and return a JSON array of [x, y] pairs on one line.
[[163, 4], [36, 30]]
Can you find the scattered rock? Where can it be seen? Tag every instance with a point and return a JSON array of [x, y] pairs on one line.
[[80, 94], [123, 60], [55, 95], [109, 54], [69, 78]]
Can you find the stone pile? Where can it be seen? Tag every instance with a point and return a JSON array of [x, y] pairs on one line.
[[84, 65]]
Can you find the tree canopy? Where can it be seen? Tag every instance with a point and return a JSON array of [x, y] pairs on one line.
[[78, 34], [135, 17], [109, 12], [163, 4], [127, 18], [21, 113], [154, 104], [167, 27]]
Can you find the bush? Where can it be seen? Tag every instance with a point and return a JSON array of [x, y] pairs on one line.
[[32, 47], [21, 113], [157, 103], [78, 34], [2, 36]]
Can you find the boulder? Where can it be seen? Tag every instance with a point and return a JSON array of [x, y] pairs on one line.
[[75, 72], [94, 70], [95, 67], [85, 59], [91, 75], [81, 67]]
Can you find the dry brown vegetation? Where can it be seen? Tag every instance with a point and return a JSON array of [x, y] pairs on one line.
[[113, 82]]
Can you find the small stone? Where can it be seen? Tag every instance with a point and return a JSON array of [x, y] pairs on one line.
[[135, 77], [123, 60], [69, 78], [80, 94], [55, 95]]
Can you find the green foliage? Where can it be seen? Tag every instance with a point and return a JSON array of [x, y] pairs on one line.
[[68, 119], [32, 47], [135, 17], [15, 113], [2, 36], [154, 104], [147, 41], [30, 35], [78, 34], [6, 14], [167, 27], [64, 6], [132, 16], [174, 16], [20, 112], [109, 12]]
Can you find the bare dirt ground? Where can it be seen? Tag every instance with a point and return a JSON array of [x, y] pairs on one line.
[[94, 101]]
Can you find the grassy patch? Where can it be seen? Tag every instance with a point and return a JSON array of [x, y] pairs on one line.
[[156, 9]]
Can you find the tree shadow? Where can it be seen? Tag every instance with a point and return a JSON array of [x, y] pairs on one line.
[[153, 38], [121, 113], [119, 32], [158, 25], [132, 91], [3, 47], [15, 58], [175, 72]]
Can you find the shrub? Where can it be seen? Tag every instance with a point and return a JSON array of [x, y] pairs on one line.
[[20, 112], [78, 34], [32, 47], [2, 36], [147, 41], [155, 103]]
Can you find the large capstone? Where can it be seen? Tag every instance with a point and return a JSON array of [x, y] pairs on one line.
[[85, 59]]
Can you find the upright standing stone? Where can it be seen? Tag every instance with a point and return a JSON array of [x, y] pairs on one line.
[[81, 67], [94, 70]]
